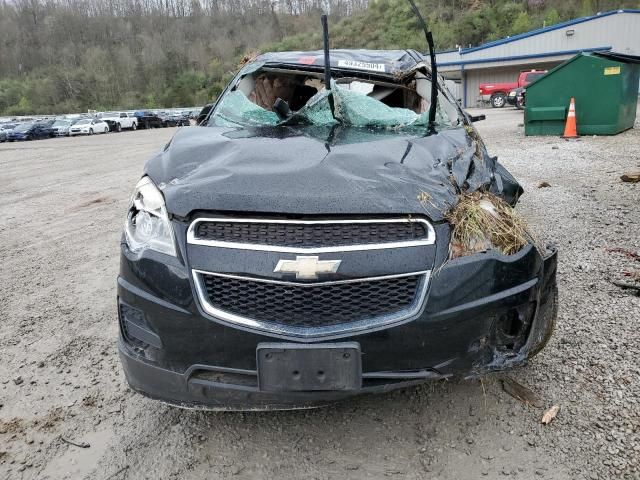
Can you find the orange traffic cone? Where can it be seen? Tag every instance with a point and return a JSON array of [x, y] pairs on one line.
[[570, 128]]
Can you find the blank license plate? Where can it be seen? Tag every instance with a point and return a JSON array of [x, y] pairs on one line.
[[291, 367]]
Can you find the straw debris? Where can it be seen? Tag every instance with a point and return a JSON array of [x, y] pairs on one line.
[[482, 221], [248, 58]]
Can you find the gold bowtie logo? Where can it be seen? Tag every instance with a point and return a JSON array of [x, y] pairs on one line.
[[307, 267]]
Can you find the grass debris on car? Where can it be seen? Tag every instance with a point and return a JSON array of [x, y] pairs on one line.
[[482, 221]]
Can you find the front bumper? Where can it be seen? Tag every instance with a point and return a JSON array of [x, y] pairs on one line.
[[482, 313]]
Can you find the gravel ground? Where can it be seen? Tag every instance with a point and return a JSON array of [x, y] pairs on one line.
[[62, 206]]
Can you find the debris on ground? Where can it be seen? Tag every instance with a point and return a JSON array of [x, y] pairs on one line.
[[75, 444], [544, 185], [550, 414], [483, 221], [632, 176], [627, 285], [520, 392], [625, 251]]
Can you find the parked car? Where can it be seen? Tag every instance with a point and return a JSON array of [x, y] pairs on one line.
[[120, 120], [174, 120], [497, 93], [282, 255], [61, 127], [29, 131], [181, 120], [88, 126], [112, 124], [9, 126], [517, 97], [148, 119], [4, 130]]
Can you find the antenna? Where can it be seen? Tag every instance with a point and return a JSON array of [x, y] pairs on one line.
[[431, 128], [327, 62]]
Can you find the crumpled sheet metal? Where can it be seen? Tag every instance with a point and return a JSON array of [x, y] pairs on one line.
[[320, 170], [384, 62]]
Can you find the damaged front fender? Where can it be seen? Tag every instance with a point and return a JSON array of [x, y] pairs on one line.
[[504, 305]]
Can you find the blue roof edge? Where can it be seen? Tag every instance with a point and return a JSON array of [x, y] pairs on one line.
[[539, 31], [525, 57]]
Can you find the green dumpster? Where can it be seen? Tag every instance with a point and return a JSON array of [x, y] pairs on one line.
[[605, 88]]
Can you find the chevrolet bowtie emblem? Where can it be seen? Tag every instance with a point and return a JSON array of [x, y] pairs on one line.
[[307, 268]]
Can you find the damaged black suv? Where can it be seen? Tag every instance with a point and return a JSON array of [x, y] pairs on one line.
[[298, 247]]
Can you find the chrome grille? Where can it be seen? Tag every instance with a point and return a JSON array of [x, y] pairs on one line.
[[310, 235], [311, 308]]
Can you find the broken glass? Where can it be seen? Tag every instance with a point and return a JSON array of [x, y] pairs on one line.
[[351, 108]]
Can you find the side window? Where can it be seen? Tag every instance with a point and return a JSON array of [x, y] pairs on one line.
[[123, 115]]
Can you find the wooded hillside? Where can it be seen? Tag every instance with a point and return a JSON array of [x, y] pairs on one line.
[[61, 56]]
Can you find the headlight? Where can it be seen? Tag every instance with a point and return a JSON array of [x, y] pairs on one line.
[[147, 224]]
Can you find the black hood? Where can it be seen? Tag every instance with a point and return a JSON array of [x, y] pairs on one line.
[[319, 170]]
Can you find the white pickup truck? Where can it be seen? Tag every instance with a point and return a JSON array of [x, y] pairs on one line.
[[119, 120]]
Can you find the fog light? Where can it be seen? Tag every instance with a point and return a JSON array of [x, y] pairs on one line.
[[135, 329]]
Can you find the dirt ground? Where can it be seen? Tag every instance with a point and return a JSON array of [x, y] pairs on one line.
[[62, 206]]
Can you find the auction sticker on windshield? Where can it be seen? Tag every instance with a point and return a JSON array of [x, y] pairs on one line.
[[375, 67]]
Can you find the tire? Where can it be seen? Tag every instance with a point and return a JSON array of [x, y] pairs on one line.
[[91, 131], [118, 127], [134, 127], [498, 100], [520, 104], [106, 129]]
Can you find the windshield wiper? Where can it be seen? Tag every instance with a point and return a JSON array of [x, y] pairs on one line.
[[431, 127]]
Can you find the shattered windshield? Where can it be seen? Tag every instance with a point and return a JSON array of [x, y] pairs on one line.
[[270, 97]]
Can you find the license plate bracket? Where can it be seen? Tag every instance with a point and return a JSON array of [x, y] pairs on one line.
[[292, 367]]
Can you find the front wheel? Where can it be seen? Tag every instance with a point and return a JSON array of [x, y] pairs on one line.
[[118, 128], [498, 100], [520, 103], [134, 126], [91, 131]]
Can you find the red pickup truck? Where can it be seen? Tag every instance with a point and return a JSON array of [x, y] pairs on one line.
[[497, 92]]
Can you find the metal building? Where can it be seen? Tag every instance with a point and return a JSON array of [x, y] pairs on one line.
[[544, 48]]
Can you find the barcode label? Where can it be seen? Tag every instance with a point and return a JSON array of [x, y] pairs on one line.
[[374, 67]]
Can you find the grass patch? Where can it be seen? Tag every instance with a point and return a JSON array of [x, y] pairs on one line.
[[482, 221]]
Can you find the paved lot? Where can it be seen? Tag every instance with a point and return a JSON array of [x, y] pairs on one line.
[[62, 205]]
